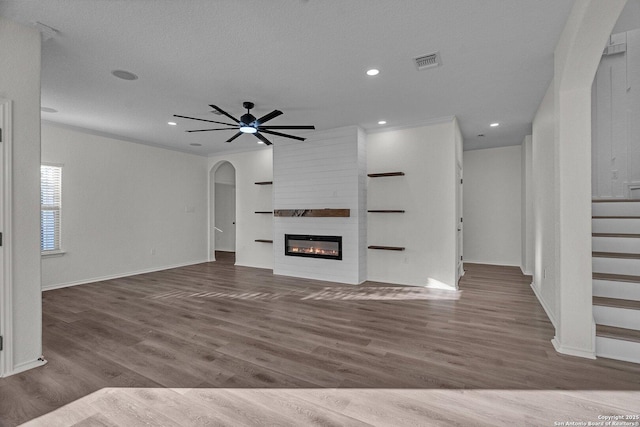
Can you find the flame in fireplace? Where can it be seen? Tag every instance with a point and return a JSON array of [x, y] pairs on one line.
[[314, 251]]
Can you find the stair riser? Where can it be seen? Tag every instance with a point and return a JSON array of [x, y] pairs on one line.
[[618, 317], [616, 225], [618, 349], [616, 244], [620, 290], [616, 266], [616, 209]]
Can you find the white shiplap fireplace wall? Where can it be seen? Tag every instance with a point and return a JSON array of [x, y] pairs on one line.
[[328, 170]]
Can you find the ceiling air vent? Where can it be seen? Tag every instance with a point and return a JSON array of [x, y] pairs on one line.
[[428, 61]]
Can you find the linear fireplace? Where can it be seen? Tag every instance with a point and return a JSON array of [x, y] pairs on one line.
[[327, 247]]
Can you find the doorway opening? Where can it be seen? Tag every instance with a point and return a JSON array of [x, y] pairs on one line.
[[223, 212]]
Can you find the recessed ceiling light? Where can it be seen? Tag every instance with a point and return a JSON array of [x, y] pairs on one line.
[[172, 123], [260, 142], [195, 144], [48, 110], [493, 125], [124, 75], [382, 122], [373, 72]]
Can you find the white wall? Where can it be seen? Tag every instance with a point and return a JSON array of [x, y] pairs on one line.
[[251, 167], [493, 206], [526, 264], [616, 129], [20, 83], [326, 171], [127, 208], [576, 60], [562, 205], [543, 177], [428, 228]]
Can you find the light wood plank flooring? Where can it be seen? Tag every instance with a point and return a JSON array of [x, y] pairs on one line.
[[214, 344]]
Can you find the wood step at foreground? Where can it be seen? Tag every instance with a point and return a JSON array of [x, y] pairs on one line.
[[625, 235], [615, 255], [616, 277], [616, 303], [618, 333]]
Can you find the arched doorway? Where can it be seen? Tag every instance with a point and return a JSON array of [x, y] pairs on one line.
[[222, 239]]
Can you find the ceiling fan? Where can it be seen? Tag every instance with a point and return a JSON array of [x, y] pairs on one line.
[[249, 124]]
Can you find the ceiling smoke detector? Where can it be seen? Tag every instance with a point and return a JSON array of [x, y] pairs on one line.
[[430, 60]]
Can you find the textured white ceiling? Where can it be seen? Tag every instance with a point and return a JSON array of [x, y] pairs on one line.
[[306, 58]]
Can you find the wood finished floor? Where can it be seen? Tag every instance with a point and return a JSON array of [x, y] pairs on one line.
[[215, 344]]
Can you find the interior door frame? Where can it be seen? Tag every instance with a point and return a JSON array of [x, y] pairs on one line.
[[459, 222], [6, 283]]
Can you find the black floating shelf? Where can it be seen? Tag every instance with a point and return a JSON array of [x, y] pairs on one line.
[[385, 211], [387, 248], [264, 183], [264, 212], [380, 175], [264, 241]]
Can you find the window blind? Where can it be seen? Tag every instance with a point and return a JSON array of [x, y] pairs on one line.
[[51, 206]]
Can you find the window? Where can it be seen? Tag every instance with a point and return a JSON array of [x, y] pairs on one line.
[[50, 210]]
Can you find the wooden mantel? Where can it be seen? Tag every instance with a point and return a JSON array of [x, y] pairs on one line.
[[313, 213]]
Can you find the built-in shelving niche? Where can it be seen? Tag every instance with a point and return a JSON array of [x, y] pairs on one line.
[[264, 212], [385, 175]]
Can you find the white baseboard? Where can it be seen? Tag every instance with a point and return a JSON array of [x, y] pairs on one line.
[[550, 315], [571, 351], [25, 366], [119, 275]]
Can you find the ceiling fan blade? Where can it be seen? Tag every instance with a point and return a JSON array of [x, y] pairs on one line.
[[262, 138], [282, 134], [221, 111], [267, 117], [203, 120], [234, 136], [207, 130], [287, 127]]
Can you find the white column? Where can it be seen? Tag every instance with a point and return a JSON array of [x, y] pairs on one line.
[[576, 60]]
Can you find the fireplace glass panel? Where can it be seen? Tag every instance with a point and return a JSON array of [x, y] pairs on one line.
[[328, 247]]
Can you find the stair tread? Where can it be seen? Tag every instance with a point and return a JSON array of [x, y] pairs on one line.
[[615, 200], [618, 333], [615, 217], [615, 255], [615, 235], [616, 303], [616, 277]]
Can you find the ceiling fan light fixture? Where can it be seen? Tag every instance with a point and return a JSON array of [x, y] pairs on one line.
[[248, 129]]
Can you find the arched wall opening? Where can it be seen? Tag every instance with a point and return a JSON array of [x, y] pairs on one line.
[[222, 209]]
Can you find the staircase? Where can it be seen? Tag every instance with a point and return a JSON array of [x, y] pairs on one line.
[[616, 278]]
